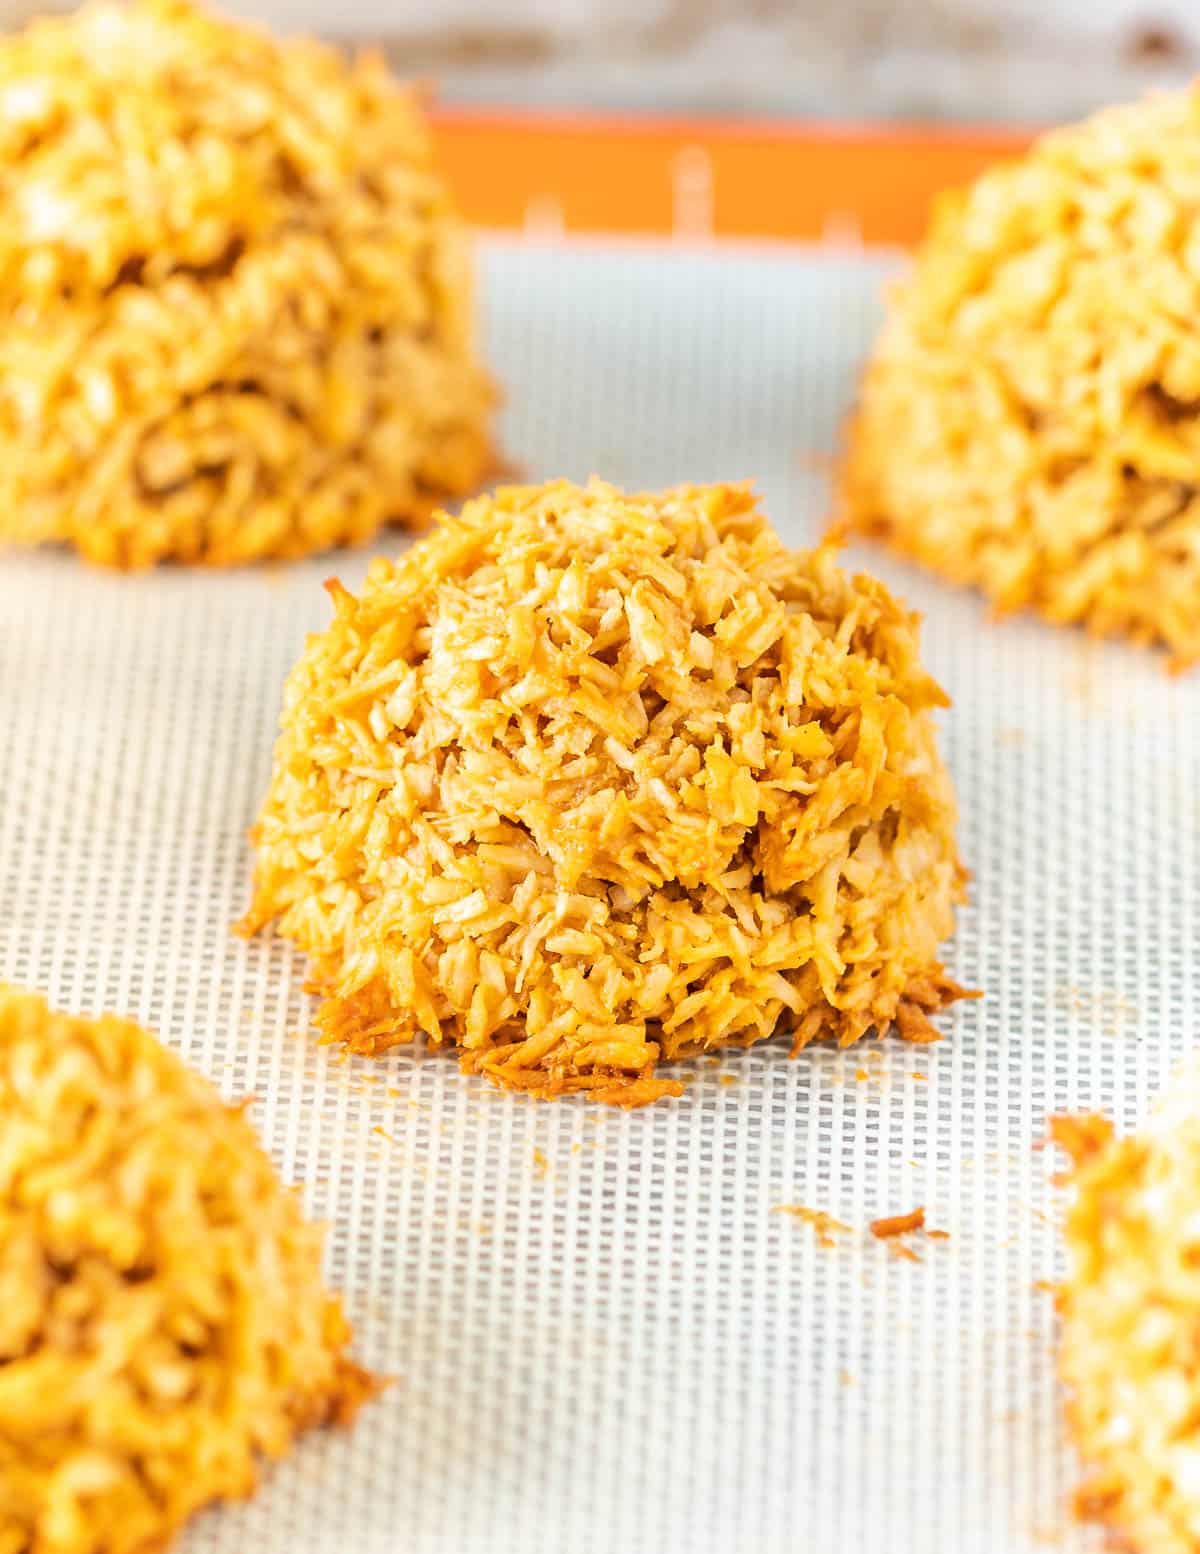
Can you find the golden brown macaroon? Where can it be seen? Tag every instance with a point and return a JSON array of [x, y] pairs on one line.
[[1030, 421], [163, 1325], [586, 780], [235, 311], [1130, 1309]]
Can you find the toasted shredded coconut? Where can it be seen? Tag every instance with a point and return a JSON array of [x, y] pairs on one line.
[[1030, 423], [234, 295], [1130, 1310], [585, 781], [898, 1224], [824, 1225], [163, 1326]]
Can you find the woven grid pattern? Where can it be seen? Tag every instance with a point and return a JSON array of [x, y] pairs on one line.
[[608, 1338]]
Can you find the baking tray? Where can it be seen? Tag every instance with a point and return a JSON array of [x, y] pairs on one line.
[[606, 1334]]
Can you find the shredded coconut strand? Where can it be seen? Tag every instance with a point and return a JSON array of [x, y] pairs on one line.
[[898, 1224]]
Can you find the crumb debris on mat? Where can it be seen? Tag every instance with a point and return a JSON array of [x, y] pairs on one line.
[[1107, 1008], [897, 1224], [902, 1251], [1129, 1308], [585, 781], [893, 1227], [236, 295], [1028, 422], [889, 1229], [163, 1324], [826, 1227]]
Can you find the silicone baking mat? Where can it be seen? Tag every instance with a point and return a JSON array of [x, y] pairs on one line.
[[607, 1336]]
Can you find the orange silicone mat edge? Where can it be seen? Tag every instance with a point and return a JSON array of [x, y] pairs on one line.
[[696, 178]]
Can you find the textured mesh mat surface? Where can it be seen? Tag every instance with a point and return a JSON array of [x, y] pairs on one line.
[[608, 1339]]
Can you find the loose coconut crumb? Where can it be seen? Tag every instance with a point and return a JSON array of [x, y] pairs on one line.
[[587, 781], [824, 1225], [1130, 1311], [892, 1227], [1030, 421], [887, 1229], [163, 1325], [898, 1224]]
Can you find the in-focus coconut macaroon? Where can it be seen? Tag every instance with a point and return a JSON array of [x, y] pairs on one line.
[[584, 781], [1030, 420], [235, 311], [1130, 1309], [163, 1325]]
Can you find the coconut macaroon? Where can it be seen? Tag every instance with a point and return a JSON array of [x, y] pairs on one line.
[[1130, 1309], [585, 781], [235, 312], [163, 1325], [1030, 421]]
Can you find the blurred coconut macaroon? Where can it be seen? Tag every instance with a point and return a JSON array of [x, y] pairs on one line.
[[1030, 420], [235, 302], [1130, 1310], [163, 1324], [586, 781]]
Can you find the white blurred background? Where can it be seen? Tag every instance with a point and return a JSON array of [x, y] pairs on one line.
[[1005, 61]]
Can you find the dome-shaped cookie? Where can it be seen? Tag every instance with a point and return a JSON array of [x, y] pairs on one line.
[[1030, 420], [234, 295], [584, 781], [163, 1324], [1130, 1310]]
